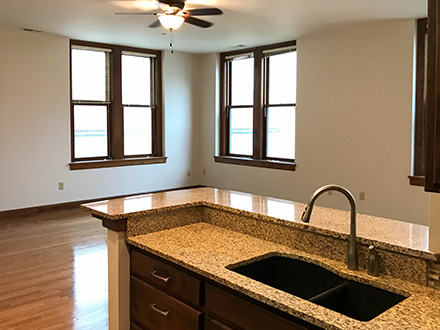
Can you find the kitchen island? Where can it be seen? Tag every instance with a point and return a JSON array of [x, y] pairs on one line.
[[204, 230]]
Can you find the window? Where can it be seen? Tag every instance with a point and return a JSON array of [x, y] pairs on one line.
[[258, 104], [419, 148], [116, 115]]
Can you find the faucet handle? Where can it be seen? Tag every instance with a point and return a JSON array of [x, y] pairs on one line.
[[373, 261]]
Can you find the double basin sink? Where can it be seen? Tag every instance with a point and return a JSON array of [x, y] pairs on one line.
[[320, 286]]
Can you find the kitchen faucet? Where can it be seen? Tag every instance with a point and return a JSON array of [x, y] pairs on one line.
[[352, 258]]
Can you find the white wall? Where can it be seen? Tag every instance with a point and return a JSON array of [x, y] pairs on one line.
[[353, 125], [353, 122], [35, 128]]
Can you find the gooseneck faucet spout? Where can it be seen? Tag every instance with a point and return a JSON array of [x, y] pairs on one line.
[[352, 257]]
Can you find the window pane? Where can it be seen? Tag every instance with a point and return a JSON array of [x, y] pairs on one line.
[[282, 78], [137, 131], [281, 132], [89, 75], [90, 124], [136, 86], [242, 82], [240, 135]]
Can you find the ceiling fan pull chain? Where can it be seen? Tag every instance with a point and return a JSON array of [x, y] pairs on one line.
[[171, 41]]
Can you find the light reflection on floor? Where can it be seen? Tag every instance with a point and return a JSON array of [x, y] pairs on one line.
[[90, 283]]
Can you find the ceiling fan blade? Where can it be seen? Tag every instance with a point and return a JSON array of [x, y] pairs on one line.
[[155, 24], [198, 22], [204, 12], [137, 13]]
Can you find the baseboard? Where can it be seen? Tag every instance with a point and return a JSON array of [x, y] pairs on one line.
[[28, 211]]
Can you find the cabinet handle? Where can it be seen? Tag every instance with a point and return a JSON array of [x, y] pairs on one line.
[[164, 279], [154, 308]]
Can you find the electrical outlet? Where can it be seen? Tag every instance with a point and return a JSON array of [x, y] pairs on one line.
[[361, 196], [188, 173], [60, 185], [204, 172]]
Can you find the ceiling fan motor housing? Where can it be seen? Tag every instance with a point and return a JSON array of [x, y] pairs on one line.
[[174, 3]]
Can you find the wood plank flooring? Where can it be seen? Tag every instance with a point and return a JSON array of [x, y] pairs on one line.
[[53, 272]]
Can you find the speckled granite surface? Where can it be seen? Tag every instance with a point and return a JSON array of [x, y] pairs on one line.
[[399, 236], [207, 249], [408, 266]]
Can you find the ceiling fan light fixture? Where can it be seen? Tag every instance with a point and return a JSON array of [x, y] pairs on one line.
[[171, 22]]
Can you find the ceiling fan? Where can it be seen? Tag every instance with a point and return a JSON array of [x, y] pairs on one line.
[[173, 14]]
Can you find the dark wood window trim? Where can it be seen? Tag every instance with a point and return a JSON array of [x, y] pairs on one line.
[[116, 162], [279, 165], [115, 109], [418, 176], [258, 157]]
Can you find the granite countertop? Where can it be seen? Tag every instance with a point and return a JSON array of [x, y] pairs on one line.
[[403, 237], [207, 250]]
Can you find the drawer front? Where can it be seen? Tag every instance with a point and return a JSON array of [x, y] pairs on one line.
[[166, 277], [244, 314], [212, 324], [134, 326], [157, 310]]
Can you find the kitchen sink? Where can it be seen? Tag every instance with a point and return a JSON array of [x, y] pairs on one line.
[[321, 286]]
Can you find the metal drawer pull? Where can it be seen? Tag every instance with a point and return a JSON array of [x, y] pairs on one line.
[[164, 279], [154, 308]]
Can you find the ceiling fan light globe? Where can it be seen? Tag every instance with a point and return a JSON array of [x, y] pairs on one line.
[[171, 22]]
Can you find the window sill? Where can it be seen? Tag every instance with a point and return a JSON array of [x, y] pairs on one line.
[[116, 163], [279, 165], [415, 180]]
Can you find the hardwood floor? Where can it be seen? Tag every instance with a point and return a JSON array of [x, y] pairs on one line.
[[53, 272]]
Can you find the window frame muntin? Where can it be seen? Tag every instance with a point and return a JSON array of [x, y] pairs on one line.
[[258, 157], [115, 112]]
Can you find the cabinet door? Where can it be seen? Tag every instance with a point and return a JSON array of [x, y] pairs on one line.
[[245, 314], [212, 324], [157, 310], [432, 176], [134, 326]]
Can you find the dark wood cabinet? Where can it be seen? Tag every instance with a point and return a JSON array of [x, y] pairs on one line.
[[242, 313], [164, 296], [432, 133], [166, 277], [213, 324], [155, 309]]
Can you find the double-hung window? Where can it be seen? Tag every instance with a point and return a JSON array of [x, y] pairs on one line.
[[258, 104], [115, 106]]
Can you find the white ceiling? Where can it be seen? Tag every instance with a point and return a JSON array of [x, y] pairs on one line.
[[245, 22]]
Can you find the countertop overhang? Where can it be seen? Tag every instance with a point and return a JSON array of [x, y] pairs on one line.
[[398, 236]]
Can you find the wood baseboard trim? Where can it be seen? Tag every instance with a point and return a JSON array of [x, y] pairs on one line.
[[28, 211]]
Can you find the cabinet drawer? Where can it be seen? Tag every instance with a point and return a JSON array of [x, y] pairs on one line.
[[165, 276], [134, 326], [157, 310], [244, 314], [212, 324]]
